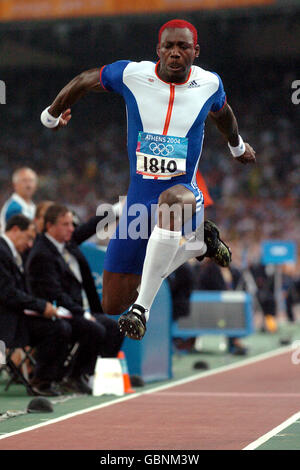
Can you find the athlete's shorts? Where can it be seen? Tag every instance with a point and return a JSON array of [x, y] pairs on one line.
[[127, 247]]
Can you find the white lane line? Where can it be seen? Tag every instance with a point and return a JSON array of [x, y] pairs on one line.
[[219, 370], [175, 383], [228, 394], [261, 440]]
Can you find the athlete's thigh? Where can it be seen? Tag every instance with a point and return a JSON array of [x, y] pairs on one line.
[[183, 197]]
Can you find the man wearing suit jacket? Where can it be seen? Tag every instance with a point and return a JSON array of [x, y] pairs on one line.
[[57, 270], [82, 232], [16, 328]]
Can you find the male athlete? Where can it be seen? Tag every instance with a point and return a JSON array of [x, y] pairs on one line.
[[167, 104]]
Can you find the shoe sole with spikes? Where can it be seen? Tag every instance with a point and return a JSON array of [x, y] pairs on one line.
[[132, 325], [217, 250]]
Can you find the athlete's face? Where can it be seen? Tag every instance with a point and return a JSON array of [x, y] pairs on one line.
[[177, 53]]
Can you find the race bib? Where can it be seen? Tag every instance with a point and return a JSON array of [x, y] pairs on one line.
[[161, 156]]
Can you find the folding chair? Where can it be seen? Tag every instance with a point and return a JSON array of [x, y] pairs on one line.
[[70, 359], [16, 371]]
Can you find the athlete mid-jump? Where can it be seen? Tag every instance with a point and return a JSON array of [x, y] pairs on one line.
[[167, 104]]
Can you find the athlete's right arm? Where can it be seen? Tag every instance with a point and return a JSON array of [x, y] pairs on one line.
[[82, 84]]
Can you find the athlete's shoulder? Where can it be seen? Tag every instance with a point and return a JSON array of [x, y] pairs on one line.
[[144, 66], [114, 74], [111, 75], [207, 75], [115, 67]]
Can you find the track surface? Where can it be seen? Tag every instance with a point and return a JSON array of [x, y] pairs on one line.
[[226, 410]]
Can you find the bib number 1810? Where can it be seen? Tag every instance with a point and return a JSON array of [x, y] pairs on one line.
[[155, 165]]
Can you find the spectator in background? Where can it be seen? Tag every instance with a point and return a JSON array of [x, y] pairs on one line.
[[17, 329], [291, 298], [25, 184], [291, 288], [264, 278], [57, 270], [39, 214], [83, 230]]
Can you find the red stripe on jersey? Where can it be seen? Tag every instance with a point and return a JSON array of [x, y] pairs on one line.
[[100, 77], [170, 109]]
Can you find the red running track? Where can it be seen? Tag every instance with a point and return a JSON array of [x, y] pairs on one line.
[[227, 410]]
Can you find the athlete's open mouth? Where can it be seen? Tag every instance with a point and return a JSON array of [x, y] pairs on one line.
[[175, 67]]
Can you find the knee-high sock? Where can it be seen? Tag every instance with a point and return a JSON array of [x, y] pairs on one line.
[[161, 250], [190, 249]]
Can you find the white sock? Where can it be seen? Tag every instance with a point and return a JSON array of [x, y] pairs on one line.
[[161, 250], [190, 249], [184, 252]]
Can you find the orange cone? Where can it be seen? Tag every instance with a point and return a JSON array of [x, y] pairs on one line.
[[126, 378]]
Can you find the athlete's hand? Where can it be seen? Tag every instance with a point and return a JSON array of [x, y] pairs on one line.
[[248, 156], [64, 119]]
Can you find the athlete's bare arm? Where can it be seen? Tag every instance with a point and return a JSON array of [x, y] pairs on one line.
[[226, 122], [82, 84]]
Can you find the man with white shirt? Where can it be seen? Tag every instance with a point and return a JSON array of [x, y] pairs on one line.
[[58, 271], [16, 328], [25, 184]]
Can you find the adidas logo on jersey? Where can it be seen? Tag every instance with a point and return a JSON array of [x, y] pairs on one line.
[[193, 84]]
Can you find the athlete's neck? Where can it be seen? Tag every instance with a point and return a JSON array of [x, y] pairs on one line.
[[166, 77]]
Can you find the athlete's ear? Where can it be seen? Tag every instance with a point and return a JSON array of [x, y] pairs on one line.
[[158, 50], [197, 50]]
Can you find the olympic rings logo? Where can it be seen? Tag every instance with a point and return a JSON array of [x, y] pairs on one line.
[[161, 149]]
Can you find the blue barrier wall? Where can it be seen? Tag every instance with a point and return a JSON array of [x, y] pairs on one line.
[[151, 357]]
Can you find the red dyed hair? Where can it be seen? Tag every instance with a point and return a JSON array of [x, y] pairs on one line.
[[179, 24]]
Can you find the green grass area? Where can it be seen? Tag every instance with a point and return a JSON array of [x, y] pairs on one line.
[[211, 353], [287, 439]]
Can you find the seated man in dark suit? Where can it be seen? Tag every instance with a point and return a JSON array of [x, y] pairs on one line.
[[57, 270], [17, 329], [82, 232]]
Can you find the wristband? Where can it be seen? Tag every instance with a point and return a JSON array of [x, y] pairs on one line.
[[239, 149], [48, 120]]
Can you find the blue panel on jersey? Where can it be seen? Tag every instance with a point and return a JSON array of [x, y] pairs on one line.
[[112, 75], [219, 96], [134, 126]]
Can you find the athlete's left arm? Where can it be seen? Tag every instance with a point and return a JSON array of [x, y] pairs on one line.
[[226, 122]]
